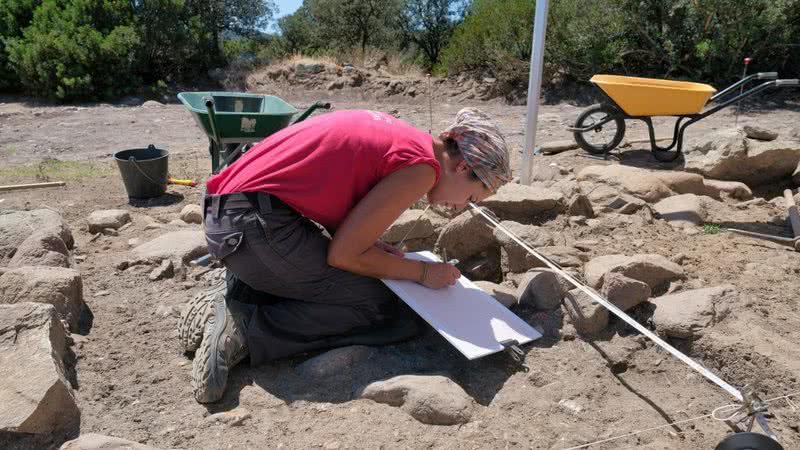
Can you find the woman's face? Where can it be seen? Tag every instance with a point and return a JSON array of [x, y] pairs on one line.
[[456, 187]]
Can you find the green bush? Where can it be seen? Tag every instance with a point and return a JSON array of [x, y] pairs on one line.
[[15, 15], [678, 39], [77, 49]]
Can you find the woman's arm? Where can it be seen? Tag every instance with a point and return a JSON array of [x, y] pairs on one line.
[[353, 249]]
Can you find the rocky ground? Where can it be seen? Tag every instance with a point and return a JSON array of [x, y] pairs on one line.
[[105, 360]]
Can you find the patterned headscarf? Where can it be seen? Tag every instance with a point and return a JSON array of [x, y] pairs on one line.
[[482, 146]]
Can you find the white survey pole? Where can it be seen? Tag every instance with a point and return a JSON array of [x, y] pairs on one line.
[[534, 88]]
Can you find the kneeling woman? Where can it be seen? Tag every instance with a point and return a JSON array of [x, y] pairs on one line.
[[354, 173]]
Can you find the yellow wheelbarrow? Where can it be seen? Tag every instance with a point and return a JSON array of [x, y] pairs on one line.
[[601, 127]]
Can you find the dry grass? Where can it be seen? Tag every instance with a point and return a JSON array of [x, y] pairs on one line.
[[55, 170], [394, 63]]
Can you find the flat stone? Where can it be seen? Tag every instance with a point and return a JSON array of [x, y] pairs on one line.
[[165, 270], [58, 286], [551, 148], [563, 256], [624, 292], [547, 173], [192, 214], [686, 314], [336, 362], [625, 204], [35, 395], [465, 236], [433, 400], [109, 218], [580, 205], [412, 224], [17, 226], [93, 441], [506, 295], [760, 133], [152, 104], [681, 211], [585, 314], [513, 257], [541, 289], [43, 248], [733, 189], [232, 418], [184, 245], [655, 270], [522, 203]]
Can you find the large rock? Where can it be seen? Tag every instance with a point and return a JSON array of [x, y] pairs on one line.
[[58, 286], [649, 185], [563, 256], [733, 189], [109, 218], [336, 362], [586, 315], [685, 210], [434, 400], [514, 258], [687, 314], [523, 203], [624, 292], [17, 226], [44, 248], [412, 224], [541, 289], [655, 270], [184, 245], [467, 235], [35, 394], [507, 296], [729, 155], [192, 214], [759, 133], [93, 441]]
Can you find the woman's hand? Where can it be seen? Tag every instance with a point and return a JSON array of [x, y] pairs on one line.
[[388, 248], [439, 275]]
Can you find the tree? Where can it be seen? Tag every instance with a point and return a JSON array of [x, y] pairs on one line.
[[351, 23], [239, 17], [429, 24], [298, 31]]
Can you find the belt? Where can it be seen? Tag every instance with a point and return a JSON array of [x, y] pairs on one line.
[[261, 201]]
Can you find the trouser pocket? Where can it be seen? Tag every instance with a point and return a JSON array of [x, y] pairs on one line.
[[222, 245]]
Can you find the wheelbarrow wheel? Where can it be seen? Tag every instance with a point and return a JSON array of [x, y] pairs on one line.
[[602, 138]]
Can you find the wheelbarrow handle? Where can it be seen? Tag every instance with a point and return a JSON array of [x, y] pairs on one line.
[[790, 82], [743, 81], [767, 75], [304, 115], [212, 118]]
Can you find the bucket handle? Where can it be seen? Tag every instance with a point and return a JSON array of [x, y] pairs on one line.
[[132, 159]]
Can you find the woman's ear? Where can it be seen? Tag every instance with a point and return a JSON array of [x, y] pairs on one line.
[[462, 166]]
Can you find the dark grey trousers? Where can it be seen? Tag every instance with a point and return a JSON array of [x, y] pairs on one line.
[[302, 303]]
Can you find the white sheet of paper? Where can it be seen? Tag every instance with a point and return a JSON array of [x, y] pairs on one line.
[[470, 319]]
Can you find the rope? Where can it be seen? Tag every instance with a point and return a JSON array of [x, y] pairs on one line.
[[713, 415], [618, 312]]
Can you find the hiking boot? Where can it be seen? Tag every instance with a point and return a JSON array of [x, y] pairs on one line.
[[224, 345], [195, 315]]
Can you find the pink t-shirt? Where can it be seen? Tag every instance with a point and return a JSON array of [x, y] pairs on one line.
[[322, 167]]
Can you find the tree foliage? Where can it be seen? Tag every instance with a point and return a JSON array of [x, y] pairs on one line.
[[429, 24]]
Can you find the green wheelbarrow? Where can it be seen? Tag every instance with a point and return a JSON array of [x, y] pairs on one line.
[[234, 121]]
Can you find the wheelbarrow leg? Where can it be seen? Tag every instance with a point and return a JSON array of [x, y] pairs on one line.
[[213, 151]]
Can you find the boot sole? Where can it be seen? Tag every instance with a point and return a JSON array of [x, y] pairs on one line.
[[195, 315], [209, 371]]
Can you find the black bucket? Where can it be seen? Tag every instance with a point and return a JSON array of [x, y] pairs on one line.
[[144, 171]]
